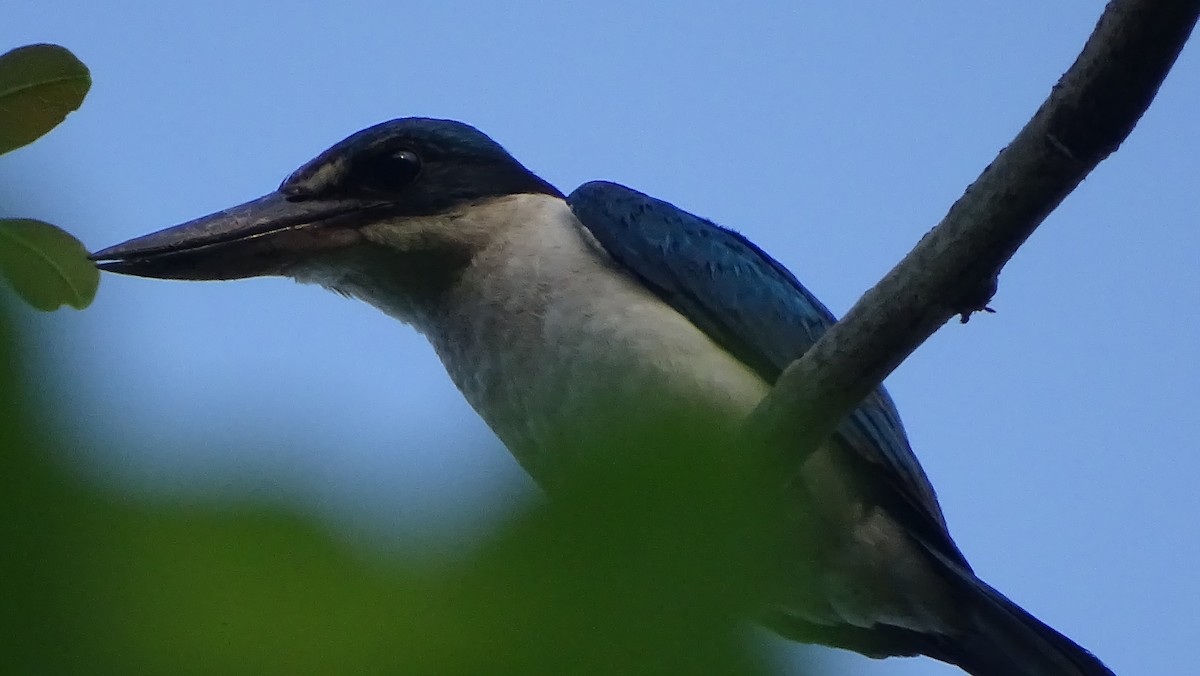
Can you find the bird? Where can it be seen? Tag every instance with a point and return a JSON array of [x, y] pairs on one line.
[[608, 312]]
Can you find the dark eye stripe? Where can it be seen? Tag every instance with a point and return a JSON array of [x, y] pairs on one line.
[[386, 172]]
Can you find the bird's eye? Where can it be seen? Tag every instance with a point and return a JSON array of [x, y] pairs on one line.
[[389, 171]]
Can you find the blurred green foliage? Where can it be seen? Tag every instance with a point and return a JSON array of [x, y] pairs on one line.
[[647, 564], [39, 86], [46, 266]]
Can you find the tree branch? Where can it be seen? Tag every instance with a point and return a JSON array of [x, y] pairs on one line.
[[953, 270]]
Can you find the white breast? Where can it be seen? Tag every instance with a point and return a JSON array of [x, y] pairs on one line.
[[555, 345], [560, 350]]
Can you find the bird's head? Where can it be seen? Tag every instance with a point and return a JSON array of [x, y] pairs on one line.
[[396, 195]]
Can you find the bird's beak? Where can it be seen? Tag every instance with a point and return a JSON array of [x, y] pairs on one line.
[[261, 237]]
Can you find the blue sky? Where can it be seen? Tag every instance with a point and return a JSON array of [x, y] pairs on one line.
[[1058, 432]]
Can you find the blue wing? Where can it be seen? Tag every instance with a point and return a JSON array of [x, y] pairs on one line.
[[752, 306]]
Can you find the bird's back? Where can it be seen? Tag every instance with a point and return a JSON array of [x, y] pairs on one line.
[[564, 351]]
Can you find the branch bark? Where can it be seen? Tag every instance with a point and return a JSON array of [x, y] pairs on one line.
[[954, 269]]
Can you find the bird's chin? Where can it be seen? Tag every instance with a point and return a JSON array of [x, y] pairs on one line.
[[266, 236]]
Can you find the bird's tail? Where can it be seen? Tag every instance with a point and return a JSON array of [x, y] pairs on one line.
[[1002, 639]]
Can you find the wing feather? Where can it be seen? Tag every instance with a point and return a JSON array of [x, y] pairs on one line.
[[752, 306]]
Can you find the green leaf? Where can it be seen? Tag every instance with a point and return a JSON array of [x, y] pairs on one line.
[[39, 85], [46, 265]]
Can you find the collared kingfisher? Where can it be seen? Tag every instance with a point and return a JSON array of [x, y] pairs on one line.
[[595, 315]]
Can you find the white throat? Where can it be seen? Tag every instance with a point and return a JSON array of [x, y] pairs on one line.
[[550, 340]]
